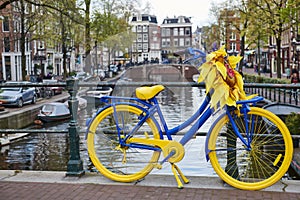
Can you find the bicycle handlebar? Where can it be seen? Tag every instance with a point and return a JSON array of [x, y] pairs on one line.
[[196, 54], [195, 51]]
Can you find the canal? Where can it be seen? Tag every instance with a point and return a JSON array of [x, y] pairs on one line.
[[50, 151]]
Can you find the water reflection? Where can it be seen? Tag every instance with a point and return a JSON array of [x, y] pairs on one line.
[[49, 151], [38, 151]]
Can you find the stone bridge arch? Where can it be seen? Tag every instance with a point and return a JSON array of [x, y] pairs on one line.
[[161, 73]]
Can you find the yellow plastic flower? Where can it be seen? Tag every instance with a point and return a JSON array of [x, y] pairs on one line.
[[222, 80]]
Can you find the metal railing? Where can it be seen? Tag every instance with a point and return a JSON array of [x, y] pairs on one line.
[[280, 93], [272, 92]]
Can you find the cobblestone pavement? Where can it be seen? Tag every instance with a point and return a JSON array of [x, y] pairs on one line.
[[50, 191]]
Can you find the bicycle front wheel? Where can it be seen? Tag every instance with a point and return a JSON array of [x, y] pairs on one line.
[[115, 161], [259, 166]]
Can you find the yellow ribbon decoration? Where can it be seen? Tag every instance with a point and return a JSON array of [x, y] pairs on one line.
[[222, 80]]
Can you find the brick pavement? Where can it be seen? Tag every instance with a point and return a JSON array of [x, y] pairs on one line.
[[58, 191]]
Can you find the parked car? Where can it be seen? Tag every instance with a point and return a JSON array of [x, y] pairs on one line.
[[100, 73], [113, 68], [81, 75], [17, 96], [54, 89]]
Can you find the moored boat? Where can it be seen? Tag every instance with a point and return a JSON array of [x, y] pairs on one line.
[[54, 111], [93, 96], [99, 92], [82, 103], [7, 140]]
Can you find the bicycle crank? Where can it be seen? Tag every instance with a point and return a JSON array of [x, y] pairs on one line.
[[171, 149]]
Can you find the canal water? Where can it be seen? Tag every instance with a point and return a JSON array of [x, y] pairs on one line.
[[50, 151]]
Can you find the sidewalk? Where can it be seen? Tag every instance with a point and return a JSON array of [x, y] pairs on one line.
[[46, 185]]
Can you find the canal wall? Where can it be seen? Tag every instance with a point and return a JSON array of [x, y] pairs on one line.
[[20, 118]]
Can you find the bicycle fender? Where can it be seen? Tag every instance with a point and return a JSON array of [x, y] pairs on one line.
[[207, 150]]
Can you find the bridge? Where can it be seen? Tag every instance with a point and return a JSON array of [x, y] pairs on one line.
[[162, 73]]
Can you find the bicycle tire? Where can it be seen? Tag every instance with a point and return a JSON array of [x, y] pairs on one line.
[[262, 166], [105, 151]]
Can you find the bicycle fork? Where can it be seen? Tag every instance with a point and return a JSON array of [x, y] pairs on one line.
[[243, 110]]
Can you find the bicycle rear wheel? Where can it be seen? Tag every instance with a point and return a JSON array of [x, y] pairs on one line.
[[264, 163], [116, 162]]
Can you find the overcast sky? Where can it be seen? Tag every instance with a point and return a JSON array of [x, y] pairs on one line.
[[198, 10]]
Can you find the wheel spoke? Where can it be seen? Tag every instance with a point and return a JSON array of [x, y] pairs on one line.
[[259, 166], [113, 158]]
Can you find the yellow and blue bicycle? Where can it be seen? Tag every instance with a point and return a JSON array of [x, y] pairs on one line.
[[249, 148]]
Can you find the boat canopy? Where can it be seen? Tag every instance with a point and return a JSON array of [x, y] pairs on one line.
[[55, 109]]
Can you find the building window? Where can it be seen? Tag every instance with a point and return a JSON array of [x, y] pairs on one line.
[[145, 37], [168, 32], [165, 42], [187, 42], [175, 42], [175, 31], [165, 32], [181, 42], [7, 63], [181, 31], [139, 37], [233, 46], [6, 44], [145, 47], [168, 42], [187, 31], [139, 46], [5, 24], [145, 28], [232, 36], [139, 28]]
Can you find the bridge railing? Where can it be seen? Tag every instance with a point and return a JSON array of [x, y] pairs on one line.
[[272, 92]]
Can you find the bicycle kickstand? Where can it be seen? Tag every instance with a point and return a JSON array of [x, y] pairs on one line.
[[175, 169]]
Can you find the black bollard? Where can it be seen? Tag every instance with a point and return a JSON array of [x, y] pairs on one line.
[[75, 165]]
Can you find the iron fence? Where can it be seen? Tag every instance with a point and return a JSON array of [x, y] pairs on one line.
[[286, 93]]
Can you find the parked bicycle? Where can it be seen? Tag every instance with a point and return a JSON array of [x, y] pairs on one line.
[[249, 148]]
